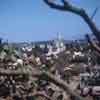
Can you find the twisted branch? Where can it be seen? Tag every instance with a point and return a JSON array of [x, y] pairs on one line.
[[66, 6], [50, 77], [93, 44]]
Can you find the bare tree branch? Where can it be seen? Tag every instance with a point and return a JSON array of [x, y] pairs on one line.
[[81, 12], [93, 44], [50, 77], [7, 72], [62, 84]]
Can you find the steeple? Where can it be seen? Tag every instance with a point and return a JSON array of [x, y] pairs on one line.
[[58, 36]]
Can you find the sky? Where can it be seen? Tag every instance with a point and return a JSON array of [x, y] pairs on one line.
[[33, 20]]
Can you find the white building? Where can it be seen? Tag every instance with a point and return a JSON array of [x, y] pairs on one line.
[[57, 47]]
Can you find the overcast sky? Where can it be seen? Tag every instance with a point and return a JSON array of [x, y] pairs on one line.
[[33, 20]]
